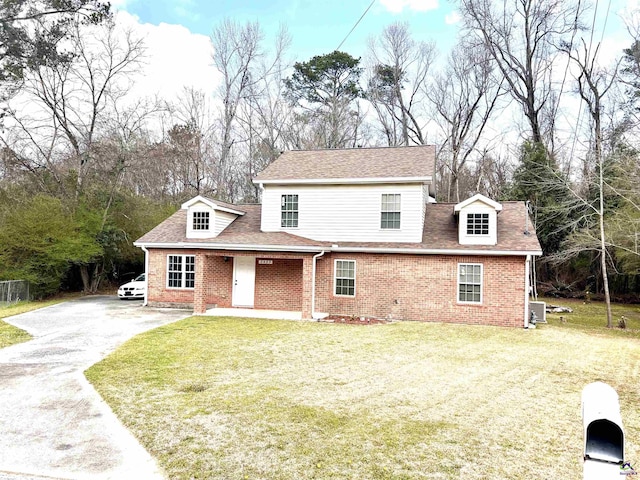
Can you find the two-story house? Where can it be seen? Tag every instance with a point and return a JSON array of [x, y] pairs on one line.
[[348, 232]]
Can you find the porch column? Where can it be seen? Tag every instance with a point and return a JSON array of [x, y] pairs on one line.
[[199, 290], [307, 272]]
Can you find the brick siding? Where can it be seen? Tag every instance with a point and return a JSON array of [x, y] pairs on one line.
[[407, 287], [424, 288]]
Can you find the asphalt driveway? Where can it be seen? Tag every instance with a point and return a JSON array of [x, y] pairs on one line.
[[52, 422]]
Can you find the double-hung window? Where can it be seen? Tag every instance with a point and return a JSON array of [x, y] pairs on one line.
[[390, 211], [201, 220], [470, 283], [181, 271], [289, 211], [477, 224], [345, 278]]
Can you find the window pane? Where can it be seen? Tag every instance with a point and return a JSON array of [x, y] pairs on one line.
[[174, 277], [345, 277], [470, 283], [390, 211], [478, 224], [289, 211], [201, 220]]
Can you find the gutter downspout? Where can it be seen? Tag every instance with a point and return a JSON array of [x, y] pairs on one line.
[[313, 284], [527, 271], [146, 274]]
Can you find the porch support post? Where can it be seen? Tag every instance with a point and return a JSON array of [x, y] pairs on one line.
[[199, 291], [307, 285]]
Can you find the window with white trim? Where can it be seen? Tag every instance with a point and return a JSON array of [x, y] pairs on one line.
[[477, 224], [470, 282], [181, 271], [345, 278], [390, 211], [289, 211], [201, 220]]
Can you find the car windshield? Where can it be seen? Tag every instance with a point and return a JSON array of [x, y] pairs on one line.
[[139, 278]]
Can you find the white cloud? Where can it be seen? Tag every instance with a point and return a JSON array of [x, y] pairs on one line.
[[397, 6], [452, 18], [175, 58]]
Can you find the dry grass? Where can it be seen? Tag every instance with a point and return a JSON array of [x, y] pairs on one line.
[[258, 399], [10, 335]]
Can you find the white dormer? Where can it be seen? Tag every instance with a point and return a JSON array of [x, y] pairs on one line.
[[207, 218], [477, 221]]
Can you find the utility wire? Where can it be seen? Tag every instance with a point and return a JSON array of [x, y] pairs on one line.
[[354, 27]]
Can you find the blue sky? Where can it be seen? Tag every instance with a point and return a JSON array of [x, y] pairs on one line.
[[316, 26]]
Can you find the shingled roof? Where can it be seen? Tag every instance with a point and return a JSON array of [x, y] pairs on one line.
[[440, 233], [245, 230], [352, 163]]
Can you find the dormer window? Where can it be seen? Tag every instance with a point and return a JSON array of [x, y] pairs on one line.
[[477, 224], [200, 220], [390, 211], [477, 220], [289, 211]]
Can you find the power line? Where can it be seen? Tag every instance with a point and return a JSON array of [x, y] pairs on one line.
[[359, 20]]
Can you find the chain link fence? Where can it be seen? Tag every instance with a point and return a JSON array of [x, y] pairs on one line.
[[12, 291]]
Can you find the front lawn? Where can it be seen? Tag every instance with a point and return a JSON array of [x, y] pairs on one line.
[[10, 335], [260, 399]]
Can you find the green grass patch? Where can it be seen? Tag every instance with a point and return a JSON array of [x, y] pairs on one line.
[[260, 399], [10, 335], [592, 317]]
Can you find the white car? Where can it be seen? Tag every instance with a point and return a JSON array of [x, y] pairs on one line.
[[134, 289]]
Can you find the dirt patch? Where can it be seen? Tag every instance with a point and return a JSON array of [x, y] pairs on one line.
[[354, 320]]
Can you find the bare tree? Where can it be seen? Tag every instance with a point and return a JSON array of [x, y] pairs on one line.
[[464, 96], [523, 37], [399, 67], [73, 101], [240, 58], [77, 96]]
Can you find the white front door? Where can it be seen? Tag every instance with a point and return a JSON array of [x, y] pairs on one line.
[[244, 281]]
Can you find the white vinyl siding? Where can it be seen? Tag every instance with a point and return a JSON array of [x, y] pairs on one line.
[[344, 278], [348, 213], [470, 283], [181, 271], [221, 221], [201, 215]]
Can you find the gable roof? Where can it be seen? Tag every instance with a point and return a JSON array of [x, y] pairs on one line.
[[352, 165], [215, 204], [478, 198]]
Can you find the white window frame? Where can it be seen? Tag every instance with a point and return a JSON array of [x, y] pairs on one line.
[[384, 208], [335, 278], [200, 220], [474, 225], [183, 272], [283, 203], [480, 284]]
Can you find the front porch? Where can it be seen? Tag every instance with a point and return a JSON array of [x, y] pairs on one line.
[[253, 313], [254, 284]]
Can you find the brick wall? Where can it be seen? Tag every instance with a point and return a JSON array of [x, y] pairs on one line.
[[408, 287], [279, 285], [424, 288], [158, 293]]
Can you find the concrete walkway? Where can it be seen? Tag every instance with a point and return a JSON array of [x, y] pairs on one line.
[[52, 422]]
